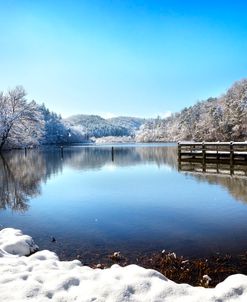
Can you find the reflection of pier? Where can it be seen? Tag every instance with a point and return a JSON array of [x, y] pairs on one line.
[[212, 168], [222, 158]]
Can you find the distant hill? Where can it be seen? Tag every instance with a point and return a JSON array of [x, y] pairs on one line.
[[130, 123], [215, 119], [96, 126]]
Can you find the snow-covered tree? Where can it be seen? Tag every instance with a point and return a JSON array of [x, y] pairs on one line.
[[216, 119], [58, 131], [96, 126], [21, 122]]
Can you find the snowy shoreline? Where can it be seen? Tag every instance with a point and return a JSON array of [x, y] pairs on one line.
[[43, 277]]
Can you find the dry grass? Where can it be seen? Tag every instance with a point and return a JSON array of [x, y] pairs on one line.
[[191, 271]]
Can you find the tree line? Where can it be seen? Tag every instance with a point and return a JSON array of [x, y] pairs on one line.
[[215, 119], [27, 124]]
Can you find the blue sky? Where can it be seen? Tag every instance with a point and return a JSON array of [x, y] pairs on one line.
[[122, 57]]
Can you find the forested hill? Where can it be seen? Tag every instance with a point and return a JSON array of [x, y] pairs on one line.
[[130, 123], [216, 119], [96, 126]]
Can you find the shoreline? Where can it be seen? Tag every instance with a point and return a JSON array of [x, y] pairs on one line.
[[180, 269], [184, 269], [29, 274]]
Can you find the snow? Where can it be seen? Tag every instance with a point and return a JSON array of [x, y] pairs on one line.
[[113, 140], [207, 279], [14, 242], [43, 277], [215, 119]]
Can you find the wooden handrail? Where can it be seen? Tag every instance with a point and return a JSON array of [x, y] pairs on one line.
[[212, 143]]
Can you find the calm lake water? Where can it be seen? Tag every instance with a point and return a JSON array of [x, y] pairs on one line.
[[137, 202]]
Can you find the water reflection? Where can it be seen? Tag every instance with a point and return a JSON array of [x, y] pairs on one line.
[[17, 183], [21, 174], [97, 157], [233, 178], [138, 202]]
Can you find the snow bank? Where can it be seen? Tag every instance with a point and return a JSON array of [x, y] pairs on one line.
[[42, 277], [14, 242]]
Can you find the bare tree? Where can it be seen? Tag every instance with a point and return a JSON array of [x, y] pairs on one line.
[[21, 122]]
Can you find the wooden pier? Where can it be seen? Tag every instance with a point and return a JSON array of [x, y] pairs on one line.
[[231, 154], [235, 152]]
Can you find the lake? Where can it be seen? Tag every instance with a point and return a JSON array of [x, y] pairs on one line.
[[135, 201]]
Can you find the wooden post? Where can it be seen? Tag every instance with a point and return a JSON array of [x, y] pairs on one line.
[[217, 167], [217, 157], [194, 149], [203, 157], [179, 152], [179, 156], [61, 149], [231, 158], [25, 151], [112, 154], [217, 151]]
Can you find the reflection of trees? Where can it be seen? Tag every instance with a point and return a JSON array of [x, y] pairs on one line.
[[18, 183], [20, 177], [97, 157], [87, 158], [159, 155], [237, 186]]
